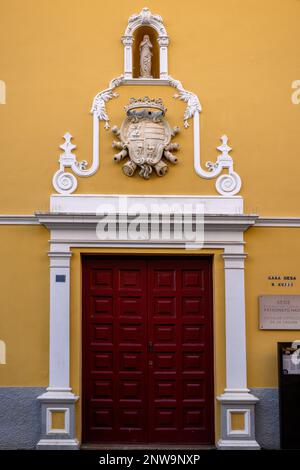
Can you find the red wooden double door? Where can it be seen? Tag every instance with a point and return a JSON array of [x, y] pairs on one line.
[[147, 350]]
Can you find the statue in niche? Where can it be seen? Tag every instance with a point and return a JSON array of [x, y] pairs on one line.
[[145, 57]]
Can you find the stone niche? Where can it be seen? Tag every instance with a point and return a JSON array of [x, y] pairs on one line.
[[137, 39]]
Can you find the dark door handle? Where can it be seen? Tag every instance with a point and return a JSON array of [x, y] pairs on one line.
[[150, 346]]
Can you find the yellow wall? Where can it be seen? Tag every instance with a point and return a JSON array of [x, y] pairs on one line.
[[270, 251], [24, 305], [240, 57]]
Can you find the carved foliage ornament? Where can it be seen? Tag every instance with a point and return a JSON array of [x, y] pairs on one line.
[[145, 137], [145, 16]]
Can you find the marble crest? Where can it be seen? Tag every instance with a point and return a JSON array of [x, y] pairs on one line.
[[145, 138]]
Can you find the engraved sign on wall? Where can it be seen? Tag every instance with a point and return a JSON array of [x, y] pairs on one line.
[[279, 312]]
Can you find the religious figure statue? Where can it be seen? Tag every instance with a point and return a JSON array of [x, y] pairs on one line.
[[145, 57]]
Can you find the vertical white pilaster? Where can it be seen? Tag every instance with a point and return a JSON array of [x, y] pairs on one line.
[[59, 396], [236, 366], [59, 361], [163, 42], [236, 398], [127, 41]]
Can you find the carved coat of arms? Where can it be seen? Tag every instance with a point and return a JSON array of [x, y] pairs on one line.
[[145, 137]]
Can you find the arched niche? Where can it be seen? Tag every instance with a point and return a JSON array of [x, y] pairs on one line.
[[137, 39], [137, 26]]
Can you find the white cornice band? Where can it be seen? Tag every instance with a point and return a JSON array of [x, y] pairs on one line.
[[12, 219], [266, 222]]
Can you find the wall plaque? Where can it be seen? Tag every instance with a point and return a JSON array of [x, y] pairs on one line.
[[279, 312]]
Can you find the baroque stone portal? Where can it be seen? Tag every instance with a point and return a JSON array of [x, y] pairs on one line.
[[145, 137]]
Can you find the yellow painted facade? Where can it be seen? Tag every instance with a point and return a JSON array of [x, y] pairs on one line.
[[240, 58], [272, 251], [24, 300]]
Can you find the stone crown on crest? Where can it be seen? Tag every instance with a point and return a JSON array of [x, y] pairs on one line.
[[145, 102]]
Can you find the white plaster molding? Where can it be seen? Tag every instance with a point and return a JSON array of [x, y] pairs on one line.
[[85, 243], [100, 100], [66, 183], [91, 203], [240, 402], [49, 426], [59, 395], [226, 184], [59, 361], [193, 105], [236, 369], [247, 427], [33, 219], [234, 260], [58, 444], [145, 17], [79, 230], [146, 81], [291, 222], [12, 219], [236, 396], [235, 444]]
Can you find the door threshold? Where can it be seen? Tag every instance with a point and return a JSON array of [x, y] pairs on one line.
[[147, 447]]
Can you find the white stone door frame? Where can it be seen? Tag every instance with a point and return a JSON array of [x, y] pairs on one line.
[[78, 230]]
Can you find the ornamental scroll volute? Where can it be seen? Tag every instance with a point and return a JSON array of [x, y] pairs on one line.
[[145, 138]]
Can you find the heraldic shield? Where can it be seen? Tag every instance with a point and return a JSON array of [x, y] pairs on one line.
[[145, 137]]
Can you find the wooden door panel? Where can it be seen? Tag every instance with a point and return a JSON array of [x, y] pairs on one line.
[[180, 378], [147, 350], [115, 348]]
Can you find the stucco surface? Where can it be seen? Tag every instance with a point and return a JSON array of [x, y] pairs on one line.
[[267, 417], [19, 417]]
